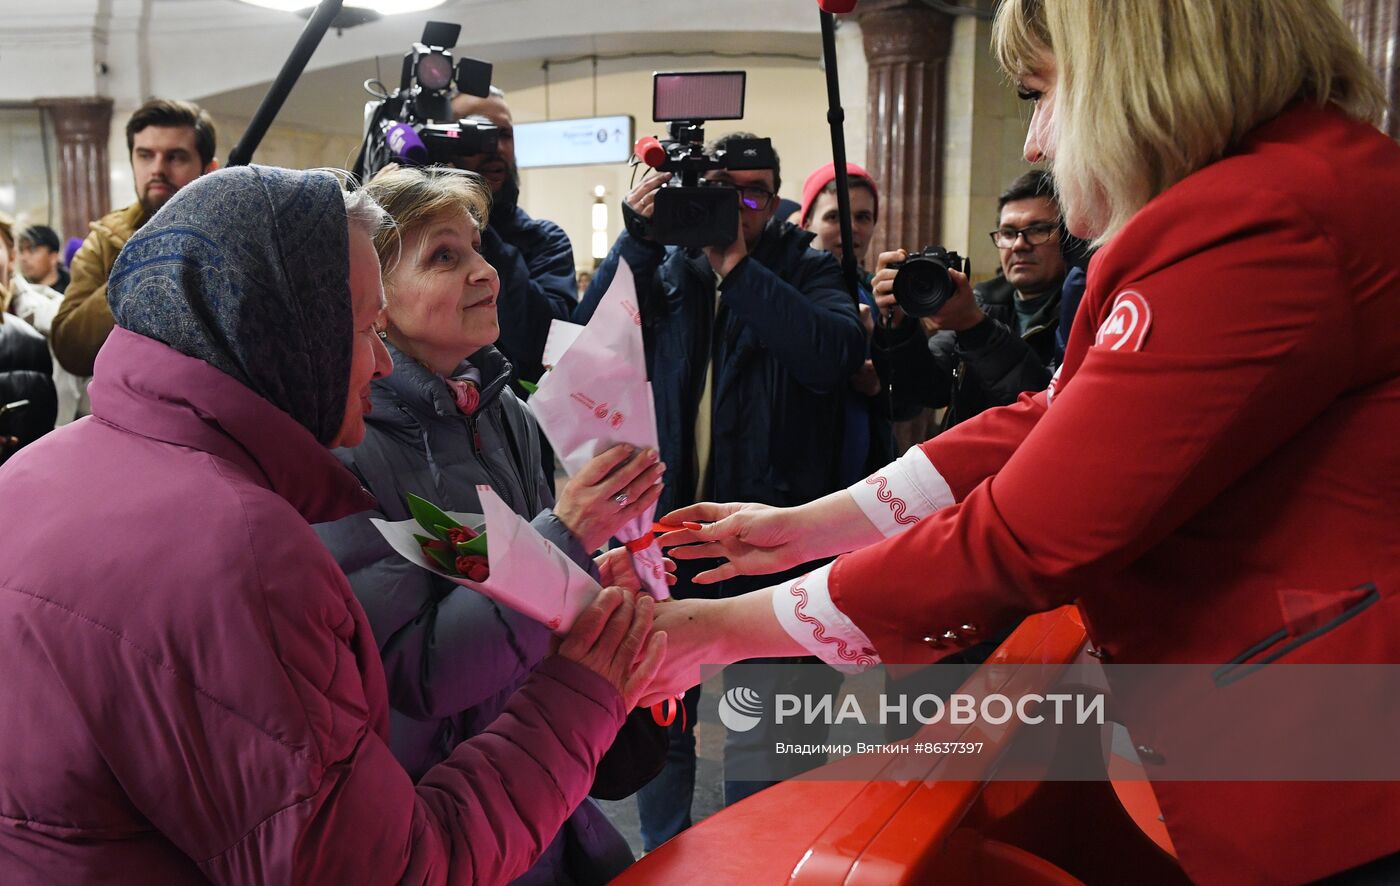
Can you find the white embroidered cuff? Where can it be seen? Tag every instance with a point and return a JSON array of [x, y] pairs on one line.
[[805, 611], [902, 493]]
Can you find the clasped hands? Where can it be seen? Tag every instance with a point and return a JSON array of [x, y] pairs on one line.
[[655, 650]]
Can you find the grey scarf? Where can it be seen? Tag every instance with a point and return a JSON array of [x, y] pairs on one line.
[[248, 269]]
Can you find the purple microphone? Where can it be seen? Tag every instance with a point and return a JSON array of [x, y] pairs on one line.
[[405, 143]]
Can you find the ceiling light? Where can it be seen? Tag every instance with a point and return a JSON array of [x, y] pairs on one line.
[[383, 7]]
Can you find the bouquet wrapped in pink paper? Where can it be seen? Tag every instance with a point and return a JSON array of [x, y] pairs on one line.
[[497, 553], [596, 396]]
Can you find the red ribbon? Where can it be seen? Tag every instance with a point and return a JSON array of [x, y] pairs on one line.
[[637, 545], [663, 713]]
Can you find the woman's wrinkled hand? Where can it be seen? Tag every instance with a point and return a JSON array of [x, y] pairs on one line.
[[615, 487], [690, 643], [613, 638], [754, 539], [615, 568]]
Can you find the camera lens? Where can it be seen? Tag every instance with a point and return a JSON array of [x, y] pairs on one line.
[[922, 286], [434, 71]]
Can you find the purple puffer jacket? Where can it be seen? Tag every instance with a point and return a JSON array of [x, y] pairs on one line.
[[191, 691]]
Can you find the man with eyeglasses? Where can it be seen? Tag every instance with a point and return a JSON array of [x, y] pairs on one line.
[[749, 348], [987, 348], [1000, 342]]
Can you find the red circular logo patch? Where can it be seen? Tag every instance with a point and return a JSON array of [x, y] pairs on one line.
[[1125, 327]]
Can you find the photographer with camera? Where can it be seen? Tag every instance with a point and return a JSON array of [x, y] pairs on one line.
[[998, 340], [750, 345], [868, 441], [445, 112], [533, 256]]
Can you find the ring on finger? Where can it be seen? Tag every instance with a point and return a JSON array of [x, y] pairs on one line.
[[622, 499]]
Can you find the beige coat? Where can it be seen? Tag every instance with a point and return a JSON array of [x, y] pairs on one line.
[[84, 319]]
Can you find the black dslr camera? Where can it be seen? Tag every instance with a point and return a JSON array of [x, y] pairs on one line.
[[687, 212], [922, 287], [413, 126]]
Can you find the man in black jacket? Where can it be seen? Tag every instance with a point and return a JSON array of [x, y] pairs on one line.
[[989, 349], [533, 256], [749, 349], [28, 403]]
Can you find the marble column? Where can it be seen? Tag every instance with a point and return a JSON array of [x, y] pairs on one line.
[[1376, 24], [82, 126], [906, 51]]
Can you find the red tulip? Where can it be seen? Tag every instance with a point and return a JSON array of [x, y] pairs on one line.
[[461, 534], [474, 567]]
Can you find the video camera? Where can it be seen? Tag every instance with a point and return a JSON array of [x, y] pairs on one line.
[[413, 126], [922, 285], [687, 212]]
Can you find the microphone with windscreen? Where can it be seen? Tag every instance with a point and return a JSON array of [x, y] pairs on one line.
[[407, 146], [690, 211], [650, 151]]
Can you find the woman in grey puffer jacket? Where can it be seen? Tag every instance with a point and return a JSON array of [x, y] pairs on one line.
[[441, 425]]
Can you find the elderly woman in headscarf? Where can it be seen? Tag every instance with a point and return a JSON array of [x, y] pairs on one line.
[[443, 423], [191, 690]]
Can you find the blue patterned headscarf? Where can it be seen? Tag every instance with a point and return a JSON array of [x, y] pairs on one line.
[[248, 269]]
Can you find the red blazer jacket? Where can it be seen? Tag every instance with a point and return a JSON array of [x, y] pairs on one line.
[[1217, 461]]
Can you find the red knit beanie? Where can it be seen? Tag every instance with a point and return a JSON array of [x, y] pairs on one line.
[[823, 176]]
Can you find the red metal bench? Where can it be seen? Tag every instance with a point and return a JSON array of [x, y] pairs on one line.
[[907, 824]]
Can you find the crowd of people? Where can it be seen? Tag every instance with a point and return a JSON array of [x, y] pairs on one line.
[[218, 669]]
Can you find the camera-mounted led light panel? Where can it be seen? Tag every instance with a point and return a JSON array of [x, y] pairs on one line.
[[698, 95]]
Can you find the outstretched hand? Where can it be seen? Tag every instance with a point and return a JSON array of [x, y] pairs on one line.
[[690, 623], [715, 632], [754, 539]]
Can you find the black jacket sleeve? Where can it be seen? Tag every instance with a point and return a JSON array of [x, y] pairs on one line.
[[905, 363], [25, 368], [535, 288], [643, 256], [1001, 362], [809, 324]]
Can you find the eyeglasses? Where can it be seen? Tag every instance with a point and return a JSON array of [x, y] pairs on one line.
[[1036, 234], [750, 197]]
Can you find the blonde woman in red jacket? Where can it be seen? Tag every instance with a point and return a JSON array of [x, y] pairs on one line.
[[1214, 465]]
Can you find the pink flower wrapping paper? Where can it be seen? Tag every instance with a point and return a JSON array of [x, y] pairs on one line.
[[597, 396], [528, 573]]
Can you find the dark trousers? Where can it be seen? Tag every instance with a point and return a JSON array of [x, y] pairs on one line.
[[663, 804]]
